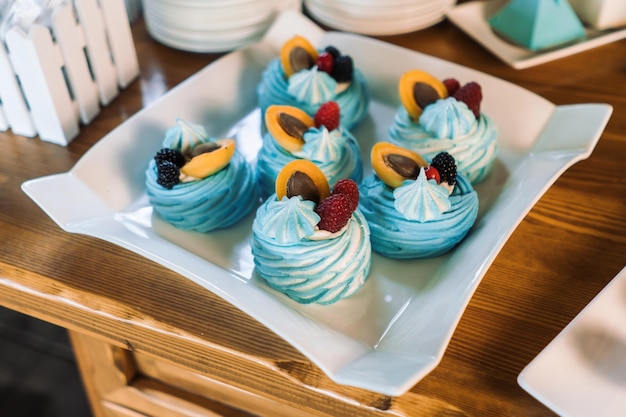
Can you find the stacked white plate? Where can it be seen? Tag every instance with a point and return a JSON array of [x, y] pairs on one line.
[[211, 25], [379, 17]]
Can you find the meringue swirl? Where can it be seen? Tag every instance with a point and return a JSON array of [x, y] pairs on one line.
[[321, 267], [421, 199], [183, 136], [289, 220], [217, 201], [395, 236], [310, 88], [449, 125], [336, 153]]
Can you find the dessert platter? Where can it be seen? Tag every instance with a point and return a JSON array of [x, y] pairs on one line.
[[473, 19], [582, 372], [396, 328]]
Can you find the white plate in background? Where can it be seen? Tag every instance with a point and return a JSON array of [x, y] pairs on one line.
[[472, 19], [582, 372], [380, 19], [215, 26], [396, 329]]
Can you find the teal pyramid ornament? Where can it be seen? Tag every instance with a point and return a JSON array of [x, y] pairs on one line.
[[538, 24]]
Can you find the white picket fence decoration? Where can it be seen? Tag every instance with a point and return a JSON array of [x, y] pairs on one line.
[[52, 80], [14, 109]]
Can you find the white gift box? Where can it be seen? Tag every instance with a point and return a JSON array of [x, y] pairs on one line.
[[601, 14], [53, 79]]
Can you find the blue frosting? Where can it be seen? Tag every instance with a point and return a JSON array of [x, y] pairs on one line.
[[421, 199], [353, 101], [336, 153], [184, 136], [214, 202], [320, 268], [312, 86], [289, 220], [395, 236], [448, 125]]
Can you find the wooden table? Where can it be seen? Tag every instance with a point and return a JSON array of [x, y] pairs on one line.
[[150, 342]]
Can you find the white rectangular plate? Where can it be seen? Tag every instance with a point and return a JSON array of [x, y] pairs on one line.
[[472, 19], [396, 329], [582, 372]]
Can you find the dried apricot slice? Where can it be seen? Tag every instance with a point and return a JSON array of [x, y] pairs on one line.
[[418, 89], [297, 54], [209, 157], [287, 125], [304, 178], [394, 164]]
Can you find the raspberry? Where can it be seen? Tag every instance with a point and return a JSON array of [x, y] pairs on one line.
[[348, 188], [452, 84], [432, 174], [325, 62], [446, 165], [342, 72], [334, 212], [171, 155], [470, 94], [328, 115], [334, 52], [167, 174]]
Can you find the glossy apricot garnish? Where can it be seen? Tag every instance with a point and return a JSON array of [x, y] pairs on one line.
[[304, 178], [418, 89], [394, 164], [209, 157], [297, 54], [287, 126]]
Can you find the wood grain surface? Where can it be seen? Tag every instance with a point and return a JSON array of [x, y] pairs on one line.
[[570, 245]]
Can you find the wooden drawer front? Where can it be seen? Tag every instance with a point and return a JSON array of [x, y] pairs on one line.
[[116, 387], [116, 410], [217, 391], [147, 397], [121, 383]]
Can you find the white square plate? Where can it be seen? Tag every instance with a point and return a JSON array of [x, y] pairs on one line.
[[582, 372], [396, 329], [472, 19]]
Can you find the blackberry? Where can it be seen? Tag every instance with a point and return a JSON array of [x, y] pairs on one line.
[[332, 51], [170, 155], [167, 174], [342, 70], [445, 164]]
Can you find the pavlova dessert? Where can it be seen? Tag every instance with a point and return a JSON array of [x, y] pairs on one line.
[[309, 242], [292, 134], [416, 209], [443, 116], [306, 78], [199, 183]]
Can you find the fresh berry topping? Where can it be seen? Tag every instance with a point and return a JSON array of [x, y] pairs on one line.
[[470, 94], [350, 189], [452, 85], [432, 174], [334, 212], [328, 115], [445, 164], [342, 71], [167, 174], [325, 62], [334, 52], [171, 155]]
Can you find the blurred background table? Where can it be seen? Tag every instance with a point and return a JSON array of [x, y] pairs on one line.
[[150, 342]]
